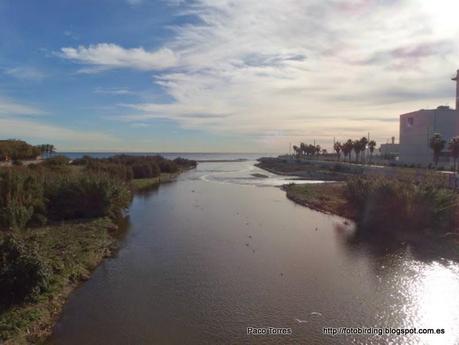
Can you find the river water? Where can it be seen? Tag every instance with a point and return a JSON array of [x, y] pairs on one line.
[[220, 250]]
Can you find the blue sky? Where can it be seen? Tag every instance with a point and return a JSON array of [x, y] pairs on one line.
[[217, 75]]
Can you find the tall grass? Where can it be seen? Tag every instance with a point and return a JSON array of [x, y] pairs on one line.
[[389, 205], [129, 167], [34, 196]]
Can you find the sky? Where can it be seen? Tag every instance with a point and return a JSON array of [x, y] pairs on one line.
[[220, 75]]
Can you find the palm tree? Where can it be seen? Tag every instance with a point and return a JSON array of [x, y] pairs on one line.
[[317, 149], [310, 150], [347, 148], [297, 151], [371, 146], [338, 148], [357, 146], [302, 148], [453, 146], [363, 144], [437, 144]]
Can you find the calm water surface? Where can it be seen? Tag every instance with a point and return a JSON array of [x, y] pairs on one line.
[[220, 250]]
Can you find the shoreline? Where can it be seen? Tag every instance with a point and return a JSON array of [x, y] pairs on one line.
[[322, 197], [142, 184], [73, 251], [329, 198], [33, 322]]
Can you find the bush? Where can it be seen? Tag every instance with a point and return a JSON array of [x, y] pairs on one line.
[[32, 196], [145, 170], [23, 275], [186, 163], [167, 166], [85, 160], [21, 198], [119, 171], [389, 205], [57, 161], [17, 150], [87, 196]]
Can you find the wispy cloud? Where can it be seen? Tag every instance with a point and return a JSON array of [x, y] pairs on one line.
[[15, 122], [113, 91], [9, 107], [134, 2], [261, 67], [140, 125], [25, 73], [104, 56], [30, 129]]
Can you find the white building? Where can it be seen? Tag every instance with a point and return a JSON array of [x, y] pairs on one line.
[[390, 149], [417, 128]]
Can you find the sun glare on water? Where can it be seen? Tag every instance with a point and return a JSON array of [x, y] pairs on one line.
[[435, 301]]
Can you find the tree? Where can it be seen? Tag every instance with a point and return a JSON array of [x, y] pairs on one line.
[[324, 151], [347, 148], [437, 144], [453, 147], [338, 148], [357, 146], [317, 149], [363, 144], [371, 146], [302, 148], [297, 151]]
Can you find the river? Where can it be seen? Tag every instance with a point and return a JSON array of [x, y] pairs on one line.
[[220, 250]]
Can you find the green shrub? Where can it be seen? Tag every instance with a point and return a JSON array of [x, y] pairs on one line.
[[145, 170], [21, 198], [23, 275], [87, 196], [185, 163], [85, 160], [57, 161], [17, 150], [167, 166], [389, 205], [119, 171]]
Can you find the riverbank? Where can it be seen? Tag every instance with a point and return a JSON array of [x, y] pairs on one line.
[[306, 169], [71, 252], [422, 231], [324, 197], [146, 183], [320, 170], [40, 265]]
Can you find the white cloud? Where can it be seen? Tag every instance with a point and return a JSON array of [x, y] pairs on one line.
[[104, 56], [297, 70], [291, 70], [25, 73]]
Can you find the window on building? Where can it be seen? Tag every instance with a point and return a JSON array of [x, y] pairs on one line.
[[410, 122]]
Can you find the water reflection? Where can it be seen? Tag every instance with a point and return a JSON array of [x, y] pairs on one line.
[[423, 286], [211, 254]]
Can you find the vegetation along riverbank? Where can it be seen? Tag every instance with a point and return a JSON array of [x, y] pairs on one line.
[[388, 209], [390, 203], [57, 222]]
